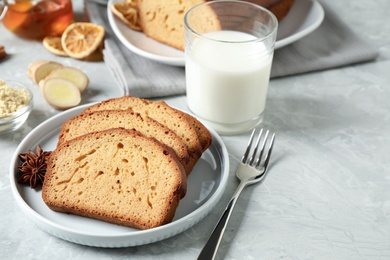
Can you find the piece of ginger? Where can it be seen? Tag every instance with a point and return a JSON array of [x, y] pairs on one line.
[[72, 74], [40, 69], [61, 93]]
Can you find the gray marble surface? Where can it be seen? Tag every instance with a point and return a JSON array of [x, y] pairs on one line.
[[327, 195]]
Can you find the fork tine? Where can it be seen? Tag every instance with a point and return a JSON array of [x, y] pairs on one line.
[[268, 155], [256, 148], [253, 161], [248, 148], [262, 149]]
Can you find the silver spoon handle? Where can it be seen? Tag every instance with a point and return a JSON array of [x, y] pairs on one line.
[[210, 249]]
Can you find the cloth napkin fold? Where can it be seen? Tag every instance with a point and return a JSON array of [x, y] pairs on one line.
[[331, 45], [136, 75]]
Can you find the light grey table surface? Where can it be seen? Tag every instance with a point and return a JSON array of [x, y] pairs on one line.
[[327, 195]]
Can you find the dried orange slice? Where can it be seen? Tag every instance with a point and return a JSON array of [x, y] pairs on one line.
[[79, 40], [127, 12], [54, 45]]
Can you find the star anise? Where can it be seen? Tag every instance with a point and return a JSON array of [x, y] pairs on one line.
[[33, 167]]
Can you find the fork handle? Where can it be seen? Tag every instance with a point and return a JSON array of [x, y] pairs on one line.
[[210, 249]]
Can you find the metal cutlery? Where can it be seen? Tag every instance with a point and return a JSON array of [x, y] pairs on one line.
[[252, 169]]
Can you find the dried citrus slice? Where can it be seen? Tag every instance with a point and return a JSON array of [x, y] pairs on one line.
[[79, 40], [127, 12], [54, 45]]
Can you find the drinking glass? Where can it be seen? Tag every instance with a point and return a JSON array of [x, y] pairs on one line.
[[229, 48]]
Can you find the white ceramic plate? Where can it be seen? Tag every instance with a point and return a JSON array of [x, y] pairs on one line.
[[206, 185], [304, 17]]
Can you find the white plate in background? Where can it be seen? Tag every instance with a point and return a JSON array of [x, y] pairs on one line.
[[304, 17], [206, 185]]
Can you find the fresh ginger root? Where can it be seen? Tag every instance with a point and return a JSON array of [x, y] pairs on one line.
[[61, 85], [39, 70], [72, 74], [61, 93]]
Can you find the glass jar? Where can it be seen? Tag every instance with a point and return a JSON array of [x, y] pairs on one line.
[[36, 19]]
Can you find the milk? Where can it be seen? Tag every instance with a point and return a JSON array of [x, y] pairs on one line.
[[227, 81]]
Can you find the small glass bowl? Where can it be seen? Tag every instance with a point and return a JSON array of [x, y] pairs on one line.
[[16, 119]]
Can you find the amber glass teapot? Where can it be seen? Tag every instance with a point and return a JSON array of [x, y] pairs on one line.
[[36, 18]]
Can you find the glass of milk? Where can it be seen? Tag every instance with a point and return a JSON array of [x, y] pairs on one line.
[[229, 47]]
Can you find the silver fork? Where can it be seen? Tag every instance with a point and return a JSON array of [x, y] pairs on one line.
[[250, 170]]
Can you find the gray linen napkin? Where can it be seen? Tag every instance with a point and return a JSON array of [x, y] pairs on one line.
[[136, 75], [332, 45]]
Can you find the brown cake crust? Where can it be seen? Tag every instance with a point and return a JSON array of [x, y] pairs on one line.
[[172, 118], [164, 20], [116, 175], [128, 119]]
